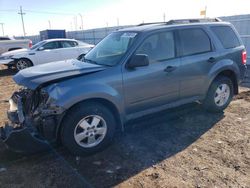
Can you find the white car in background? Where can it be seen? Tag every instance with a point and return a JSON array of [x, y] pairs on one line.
[[44, 52]]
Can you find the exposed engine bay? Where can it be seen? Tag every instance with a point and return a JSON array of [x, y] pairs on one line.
[[31, 114]]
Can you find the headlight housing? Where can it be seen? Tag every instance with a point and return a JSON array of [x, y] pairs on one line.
[[6, 57]]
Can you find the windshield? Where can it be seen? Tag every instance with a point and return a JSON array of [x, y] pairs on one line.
[[111, 49], [37, 45]]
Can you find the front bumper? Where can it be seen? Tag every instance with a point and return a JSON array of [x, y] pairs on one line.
[[22, 140], [20, 134], [6, 61]]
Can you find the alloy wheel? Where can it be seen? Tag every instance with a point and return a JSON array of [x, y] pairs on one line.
[[90, 131], [222, 95], [21, 64]]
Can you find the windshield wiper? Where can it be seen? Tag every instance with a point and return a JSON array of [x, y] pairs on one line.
[[90, 61], [94, 62]]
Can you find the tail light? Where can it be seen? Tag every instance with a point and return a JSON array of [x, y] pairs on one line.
[[30, 44], [244, 57]]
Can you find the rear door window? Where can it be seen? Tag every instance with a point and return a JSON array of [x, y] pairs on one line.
[[67, 44], [51, 45], [227, 36], [194, 41], [73, 43]]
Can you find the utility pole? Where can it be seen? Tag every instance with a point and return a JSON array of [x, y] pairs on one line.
[[81, 20], [2, 28], [164, 17], [22, 13]]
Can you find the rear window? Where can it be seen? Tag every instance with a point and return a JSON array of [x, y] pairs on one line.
[[227, 36], [4, 38], [194, 41]]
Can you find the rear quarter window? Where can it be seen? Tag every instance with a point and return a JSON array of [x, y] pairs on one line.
[[226, 36], [194, 41]]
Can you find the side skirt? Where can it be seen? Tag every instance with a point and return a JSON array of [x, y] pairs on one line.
[[163, 107]]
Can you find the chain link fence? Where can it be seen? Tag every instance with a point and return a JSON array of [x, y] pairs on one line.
[[93, 36], [242, 24]]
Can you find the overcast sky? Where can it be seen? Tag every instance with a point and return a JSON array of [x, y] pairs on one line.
[[65, 14]]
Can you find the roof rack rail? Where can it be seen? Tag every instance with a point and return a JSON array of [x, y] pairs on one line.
[[150, 23], [185, 21]]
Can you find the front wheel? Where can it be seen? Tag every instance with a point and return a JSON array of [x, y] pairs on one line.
[[219, 94], [23, 64], [88, 128]]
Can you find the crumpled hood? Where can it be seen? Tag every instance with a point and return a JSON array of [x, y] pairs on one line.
[[15, 52], [41, 74]]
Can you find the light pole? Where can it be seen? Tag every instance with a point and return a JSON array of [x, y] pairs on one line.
[[117, 21], [81, 20], [75, 22], [49, 24], [2, 28]]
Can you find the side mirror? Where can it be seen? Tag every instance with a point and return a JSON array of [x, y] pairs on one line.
[[41, 48], [138, 60], [80, 57]]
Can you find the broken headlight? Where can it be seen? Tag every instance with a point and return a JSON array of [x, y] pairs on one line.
[[48, 104]]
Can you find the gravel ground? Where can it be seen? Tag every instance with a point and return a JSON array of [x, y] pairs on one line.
[[182, 147]]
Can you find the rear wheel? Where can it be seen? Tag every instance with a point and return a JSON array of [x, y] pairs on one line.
[[219, 94], [23, 64], [88, 128]]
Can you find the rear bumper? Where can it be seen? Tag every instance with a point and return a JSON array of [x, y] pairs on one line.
[[243, 73]]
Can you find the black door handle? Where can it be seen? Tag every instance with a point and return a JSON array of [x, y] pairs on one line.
[[211, 60], [170, 68]]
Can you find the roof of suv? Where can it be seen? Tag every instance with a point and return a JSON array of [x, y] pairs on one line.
[[59, 39], [174, 23]]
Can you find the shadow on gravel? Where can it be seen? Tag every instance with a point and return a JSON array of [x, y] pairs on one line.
[[146, 142], [7, 72]]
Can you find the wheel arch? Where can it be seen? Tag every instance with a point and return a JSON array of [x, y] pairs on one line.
[[25, 58], [230, 74], [102, 101]]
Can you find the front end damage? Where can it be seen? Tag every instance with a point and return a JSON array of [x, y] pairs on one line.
[[32, 121]]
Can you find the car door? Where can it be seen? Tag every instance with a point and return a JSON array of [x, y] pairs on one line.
[[156, 84], [197, 59], [69, 50], [49, 52]]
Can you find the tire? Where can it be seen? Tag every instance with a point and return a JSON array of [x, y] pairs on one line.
[[216, 102], [23, 64], [77, 128]]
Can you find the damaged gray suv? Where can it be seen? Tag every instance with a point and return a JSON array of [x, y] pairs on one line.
[[130, 73]]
